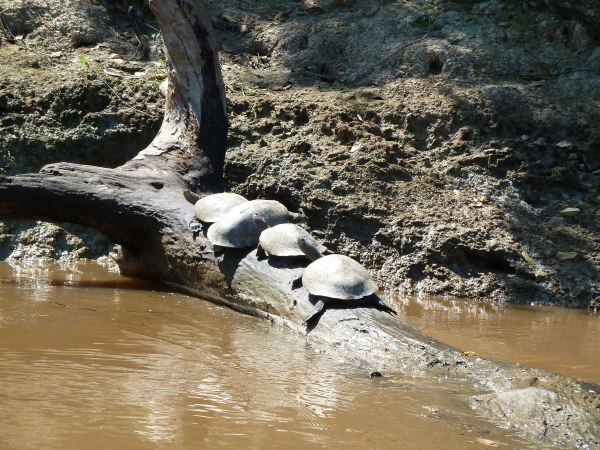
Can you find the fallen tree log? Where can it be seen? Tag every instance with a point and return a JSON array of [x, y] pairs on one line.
[[141, 206]]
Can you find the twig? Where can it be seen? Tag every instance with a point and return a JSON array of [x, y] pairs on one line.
[[533, 77], [540, 76]]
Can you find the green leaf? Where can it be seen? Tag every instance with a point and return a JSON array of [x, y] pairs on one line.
[[570, 212]]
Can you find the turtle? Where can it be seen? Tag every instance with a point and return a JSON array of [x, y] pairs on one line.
[[210, 208], [213, 207], [241, 226], [282, 240], [335, 277]]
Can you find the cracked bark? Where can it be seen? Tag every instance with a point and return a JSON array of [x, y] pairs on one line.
[[140, 205]]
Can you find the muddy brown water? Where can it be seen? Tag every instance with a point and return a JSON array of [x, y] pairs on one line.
[[93, 360], [562, 340]]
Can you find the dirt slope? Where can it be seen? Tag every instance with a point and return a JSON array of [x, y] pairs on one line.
[[436, 142]]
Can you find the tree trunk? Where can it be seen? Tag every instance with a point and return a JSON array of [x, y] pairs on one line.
[[140, 206]]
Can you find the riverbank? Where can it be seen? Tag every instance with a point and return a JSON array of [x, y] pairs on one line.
[[441, 156]]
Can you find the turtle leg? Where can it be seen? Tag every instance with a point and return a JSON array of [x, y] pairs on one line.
[[196, 227], [260, 253], [385, 308], [312, 319], [297, 282], [218, 250], [296, 217], [190, 196]]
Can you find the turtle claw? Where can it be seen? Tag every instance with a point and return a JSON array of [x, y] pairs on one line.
[[261, 255], [385, 308], [312, 319]]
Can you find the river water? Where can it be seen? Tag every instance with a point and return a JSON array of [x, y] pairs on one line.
[[92, 360], [558, 339]]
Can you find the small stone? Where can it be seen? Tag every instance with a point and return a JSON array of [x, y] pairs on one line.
[[300, 147], [487, 442], [344, 134], [465, 133], [375, 374]]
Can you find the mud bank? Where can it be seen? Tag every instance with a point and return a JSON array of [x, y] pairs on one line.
[[438, 143]]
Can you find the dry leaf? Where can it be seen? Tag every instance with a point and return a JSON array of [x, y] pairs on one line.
[[357, 145], [570, 212], [228, 18], [528, 259], [565, 256], [113, 72]]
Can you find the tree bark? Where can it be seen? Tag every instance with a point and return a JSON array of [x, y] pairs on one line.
[[140, 206]]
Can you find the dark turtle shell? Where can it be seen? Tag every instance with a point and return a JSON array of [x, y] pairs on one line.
[[338, 276], [238, 228], [213, 207], [282, 240]]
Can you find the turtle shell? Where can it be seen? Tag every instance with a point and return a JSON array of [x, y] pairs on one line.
[[211, 208], [338, 276], [281, 240], [237, 228]]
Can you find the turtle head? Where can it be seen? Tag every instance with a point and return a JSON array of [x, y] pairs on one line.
[[296, 217], [309, 248], [190, 196], [261, 224]]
